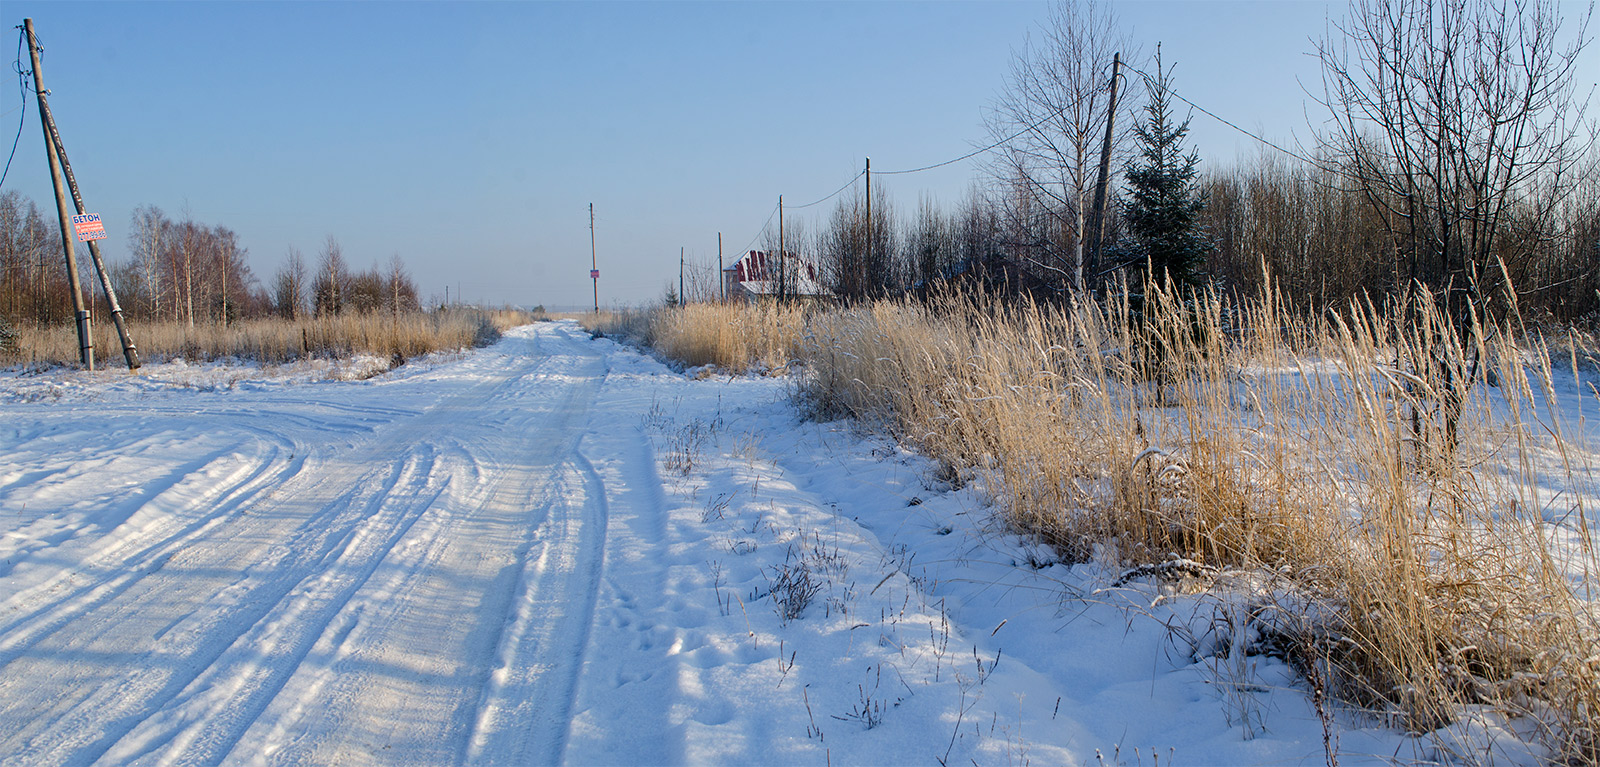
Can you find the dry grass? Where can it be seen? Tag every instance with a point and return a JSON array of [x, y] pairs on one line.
[[274, 340], [1422, 577], [739, 338]]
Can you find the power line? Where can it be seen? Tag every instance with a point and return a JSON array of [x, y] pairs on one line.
[[763, 228], [1053, 115], [976, 152], [836, 192], [973, 153], [1219, 119], [1034, 126], [22, 90], [951, 161]]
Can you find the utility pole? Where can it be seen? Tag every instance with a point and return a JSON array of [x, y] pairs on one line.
[[783, 255], [594, 268], [1105, 165], [682, 299], [130, 352], [722, 280], [867, 261], [80, 314]]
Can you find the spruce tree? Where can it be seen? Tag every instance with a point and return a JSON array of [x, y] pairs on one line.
[[1165, 201]]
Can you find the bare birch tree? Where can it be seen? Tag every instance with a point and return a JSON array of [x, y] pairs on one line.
[[329, 289], [145, 239], [289, 286], [1055, 103]]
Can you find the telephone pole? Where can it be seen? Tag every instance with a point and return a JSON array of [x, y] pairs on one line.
[[722, 280], [594, 268], [783, 258], [1105, 165], [866, 263], [80, 314], [130, 352], [682, 299]]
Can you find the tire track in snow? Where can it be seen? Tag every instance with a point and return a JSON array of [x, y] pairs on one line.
[[454, 594], [285, 541], [527, 698], [104, 713], [114, 569], [236, 688], [621, 714]]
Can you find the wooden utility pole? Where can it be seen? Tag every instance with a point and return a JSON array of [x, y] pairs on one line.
[[866, 262], [783, 257], [80, 314], [682, 299], [130, 352], [594, 267], [722, 280], [1105, 164]]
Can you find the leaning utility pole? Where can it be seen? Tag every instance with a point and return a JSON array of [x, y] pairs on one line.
[[1105, 165], [594, 268], [130, 352], [80, 314]]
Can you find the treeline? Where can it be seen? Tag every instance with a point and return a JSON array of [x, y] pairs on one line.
[[1318, 236], [1451, 173], [183, 271]]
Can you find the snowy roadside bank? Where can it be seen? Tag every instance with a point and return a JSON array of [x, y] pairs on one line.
[[844, 605]]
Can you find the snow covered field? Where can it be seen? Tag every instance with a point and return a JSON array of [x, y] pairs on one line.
[[556, 550]]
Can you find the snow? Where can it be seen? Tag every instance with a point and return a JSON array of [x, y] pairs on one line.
[[557, 550]]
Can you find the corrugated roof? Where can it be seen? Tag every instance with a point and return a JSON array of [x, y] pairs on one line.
[[757, 272]]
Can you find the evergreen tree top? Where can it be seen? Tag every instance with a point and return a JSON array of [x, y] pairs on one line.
[[1164, 199]]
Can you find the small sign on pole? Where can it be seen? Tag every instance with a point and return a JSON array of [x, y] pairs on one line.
[[88, 227], [594, 274]]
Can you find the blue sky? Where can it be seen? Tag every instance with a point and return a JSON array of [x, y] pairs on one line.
[[470, 138]]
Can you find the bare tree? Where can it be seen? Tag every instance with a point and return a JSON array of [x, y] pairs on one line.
[[146, 238], [329, 289], [930, 244], [402, 292], [858, 252], [1454, 118], [1450, 117], [232, 274], [1055, 104], [189, 236], [30, 287], [289, 286]]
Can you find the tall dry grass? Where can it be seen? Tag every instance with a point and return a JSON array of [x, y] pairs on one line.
[[273, 340], [736, 337], [1416, 561]]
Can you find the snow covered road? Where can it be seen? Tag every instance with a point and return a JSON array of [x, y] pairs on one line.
[[555, 550], [312, 578]]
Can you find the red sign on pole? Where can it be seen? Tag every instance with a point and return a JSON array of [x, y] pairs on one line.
[[594, 274], [88, 227]]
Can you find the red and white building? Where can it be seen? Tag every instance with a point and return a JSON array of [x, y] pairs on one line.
[[757, 275]]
